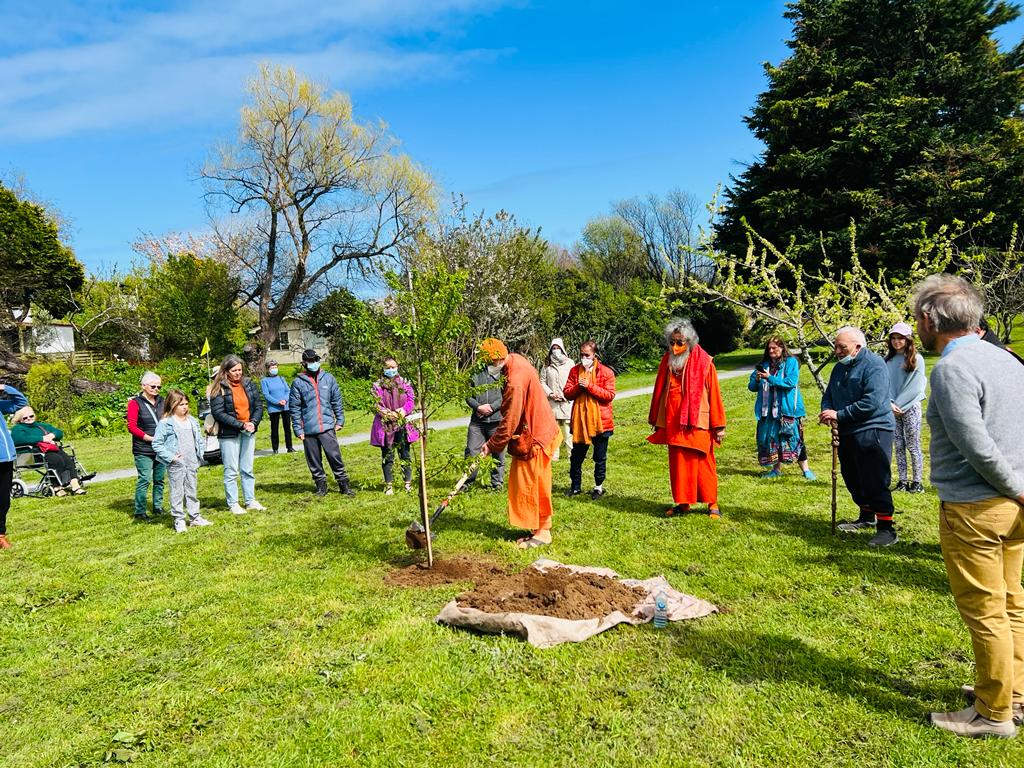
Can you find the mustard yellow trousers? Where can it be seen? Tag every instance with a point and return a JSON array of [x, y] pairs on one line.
[[983, 547]]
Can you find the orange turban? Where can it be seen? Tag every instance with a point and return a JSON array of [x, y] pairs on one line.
[[493, 349]]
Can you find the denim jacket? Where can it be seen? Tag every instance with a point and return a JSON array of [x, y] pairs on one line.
[[165, 441]]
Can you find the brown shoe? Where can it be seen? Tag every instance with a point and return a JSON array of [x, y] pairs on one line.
[[970, 722], [4, 542]]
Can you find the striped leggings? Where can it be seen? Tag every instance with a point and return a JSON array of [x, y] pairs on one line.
[[908, 440]]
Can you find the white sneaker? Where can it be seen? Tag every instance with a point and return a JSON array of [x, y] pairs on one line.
[[237, 509], [255, 506], [389, 491], [179, 526], [200, 521]]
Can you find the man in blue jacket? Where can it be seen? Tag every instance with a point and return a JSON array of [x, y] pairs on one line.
[[317, 414], [857, 399], [275, 391], [10, 401]]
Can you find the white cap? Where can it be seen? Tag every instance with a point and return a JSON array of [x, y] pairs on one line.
[[557, 342]]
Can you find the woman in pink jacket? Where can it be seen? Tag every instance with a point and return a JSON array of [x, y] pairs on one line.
[[391, 431]]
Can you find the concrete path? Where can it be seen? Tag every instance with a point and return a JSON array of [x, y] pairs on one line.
[[463, 422]]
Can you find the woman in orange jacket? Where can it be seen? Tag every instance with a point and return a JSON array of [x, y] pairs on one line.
[[591, 387]]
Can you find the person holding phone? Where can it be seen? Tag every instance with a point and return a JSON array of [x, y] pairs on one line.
[[780, 410]]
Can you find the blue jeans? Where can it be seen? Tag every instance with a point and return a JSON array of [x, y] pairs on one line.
[[237, 454]]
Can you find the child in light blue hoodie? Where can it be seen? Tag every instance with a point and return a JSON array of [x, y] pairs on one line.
[[906, 392], [178, 443]]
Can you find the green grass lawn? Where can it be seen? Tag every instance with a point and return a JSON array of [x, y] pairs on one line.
[[272, 640]]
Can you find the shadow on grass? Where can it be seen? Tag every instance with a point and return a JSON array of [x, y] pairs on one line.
[[634, 505], [905, 564], [334, 531], [749, 657]]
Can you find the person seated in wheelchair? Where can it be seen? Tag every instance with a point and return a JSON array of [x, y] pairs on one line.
[[45, 438]]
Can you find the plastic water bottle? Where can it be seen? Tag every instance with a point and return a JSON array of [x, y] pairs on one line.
[[660, 610]]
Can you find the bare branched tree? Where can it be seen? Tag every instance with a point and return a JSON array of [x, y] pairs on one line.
[[999, 275], [769, 283], [667, 228], [308, 197]]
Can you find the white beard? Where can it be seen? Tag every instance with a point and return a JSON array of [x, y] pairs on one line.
[[678, 362]]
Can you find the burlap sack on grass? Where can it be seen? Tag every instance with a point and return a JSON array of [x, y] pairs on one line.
[[549, 631]]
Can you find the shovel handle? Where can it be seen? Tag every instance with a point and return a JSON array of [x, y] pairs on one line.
[[453, 492]]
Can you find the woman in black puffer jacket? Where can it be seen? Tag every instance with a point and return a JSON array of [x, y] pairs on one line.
[[237, 407]]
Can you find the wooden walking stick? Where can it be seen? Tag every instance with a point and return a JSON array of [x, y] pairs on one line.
[[835, 471]]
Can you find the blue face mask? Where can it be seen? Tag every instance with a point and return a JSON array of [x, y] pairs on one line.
[[391, 372], [272, 371], [313, 367], [847, 360]]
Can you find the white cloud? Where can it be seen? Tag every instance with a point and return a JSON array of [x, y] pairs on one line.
[[62, 76]]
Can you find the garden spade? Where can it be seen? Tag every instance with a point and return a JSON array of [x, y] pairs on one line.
[[416, 534]]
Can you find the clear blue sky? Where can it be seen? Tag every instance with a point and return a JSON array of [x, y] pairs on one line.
[[551, 110]]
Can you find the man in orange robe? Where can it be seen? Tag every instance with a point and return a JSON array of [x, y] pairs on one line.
[[530, 433], [688, 416]]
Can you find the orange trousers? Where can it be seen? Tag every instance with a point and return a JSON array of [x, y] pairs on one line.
[[529, 490], [694, 475]]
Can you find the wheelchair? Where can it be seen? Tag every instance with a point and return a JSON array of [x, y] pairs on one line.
[[32, 477]]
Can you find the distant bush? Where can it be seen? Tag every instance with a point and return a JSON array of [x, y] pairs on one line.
[[48, 388]]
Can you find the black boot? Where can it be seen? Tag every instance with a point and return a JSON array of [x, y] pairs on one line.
[[321, 488], [345, 488]]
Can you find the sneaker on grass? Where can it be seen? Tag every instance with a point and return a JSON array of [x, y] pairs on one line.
[[255, 506], [237, 509], [810, 476], [853, 526], [970, 722], [200, 521], [884, 538], [1017, 709], [179, 526]]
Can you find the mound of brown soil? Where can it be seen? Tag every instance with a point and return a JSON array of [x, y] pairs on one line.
[[556, 592], [444, 572]]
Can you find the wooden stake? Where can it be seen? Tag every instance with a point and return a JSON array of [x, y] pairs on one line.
[[835, 471], [424, 514]]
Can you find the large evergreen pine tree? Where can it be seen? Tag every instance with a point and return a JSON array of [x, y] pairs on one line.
[[894, 113]]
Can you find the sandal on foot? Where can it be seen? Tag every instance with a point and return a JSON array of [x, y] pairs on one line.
[[714, 513], [532, 543], [60, 493], [678, 509]]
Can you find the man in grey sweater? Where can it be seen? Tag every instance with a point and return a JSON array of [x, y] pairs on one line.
[[976, 423]]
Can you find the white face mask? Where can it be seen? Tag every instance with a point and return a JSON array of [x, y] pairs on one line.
[[493, 369], [557, 355], [586, 362], [272, 371]]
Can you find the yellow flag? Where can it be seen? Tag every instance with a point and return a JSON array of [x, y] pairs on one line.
[[206, 347]]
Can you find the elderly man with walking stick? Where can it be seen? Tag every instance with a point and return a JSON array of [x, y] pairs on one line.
[[856, 401]]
